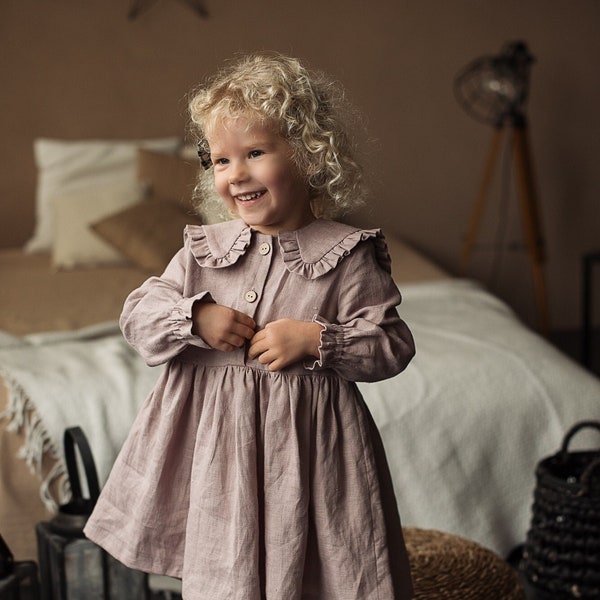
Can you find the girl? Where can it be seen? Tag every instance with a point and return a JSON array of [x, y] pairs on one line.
[[254, 470]]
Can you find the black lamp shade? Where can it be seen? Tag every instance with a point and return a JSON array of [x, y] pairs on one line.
[[493, 88]]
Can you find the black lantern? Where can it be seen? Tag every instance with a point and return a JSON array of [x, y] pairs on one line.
[[16, 577], [71, 566]]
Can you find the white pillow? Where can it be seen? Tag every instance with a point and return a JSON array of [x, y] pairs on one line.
[[75, 243], [65, 166]]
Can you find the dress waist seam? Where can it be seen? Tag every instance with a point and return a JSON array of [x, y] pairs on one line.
[[327, 374]]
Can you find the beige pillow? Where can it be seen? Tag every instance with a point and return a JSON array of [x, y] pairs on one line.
[[74, 244], [149, 233], [68, 166], [168, 176]]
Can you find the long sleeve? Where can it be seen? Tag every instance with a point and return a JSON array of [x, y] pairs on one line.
[[368, 340], [157, 317]]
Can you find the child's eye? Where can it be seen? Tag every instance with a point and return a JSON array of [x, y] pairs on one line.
[[220, 161], [255, 153]]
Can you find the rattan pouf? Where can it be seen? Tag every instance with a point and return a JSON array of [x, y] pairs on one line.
[[448, 567]]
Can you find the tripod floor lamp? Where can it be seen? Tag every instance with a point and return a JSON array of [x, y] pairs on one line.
[[493, 90]]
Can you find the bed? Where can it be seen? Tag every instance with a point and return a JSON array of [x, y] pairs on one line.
[[464, 426]]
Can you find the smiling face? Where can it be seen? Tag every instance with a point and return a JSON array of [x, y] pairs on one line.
[[256, 176]]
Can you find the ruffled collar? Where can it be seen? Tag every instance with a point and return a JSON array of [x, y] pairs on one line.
[[219, 245], [310, 252]]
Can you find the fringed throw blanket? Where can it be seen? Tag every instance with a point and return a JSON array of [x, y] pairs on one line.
[[91, 378]]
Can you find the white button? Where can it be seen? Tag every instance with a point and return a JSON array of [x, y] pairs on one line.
[[251, 296], [264, 249]]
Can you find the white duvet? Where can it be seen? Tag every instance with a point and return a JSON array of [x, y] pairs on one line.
[[464, 426], [481, 403]]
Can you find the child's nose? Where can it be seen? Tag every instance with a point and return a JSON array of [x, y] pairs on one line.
[[237, 173]]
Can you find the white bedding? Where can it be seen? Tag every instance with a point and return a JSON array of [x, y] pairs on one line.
[[481, 403], [464, 426]]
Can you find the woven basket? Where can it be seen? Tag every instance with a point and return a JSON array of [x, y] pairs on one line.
[[448, 567], [561, 556]]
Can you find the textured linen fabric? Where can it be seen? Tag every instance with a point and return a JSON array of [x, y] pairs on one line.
[[249, 484]]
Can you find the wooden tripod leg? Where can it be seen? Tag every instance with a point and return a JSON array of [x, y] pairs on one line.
[[531, 221], [486, 180]]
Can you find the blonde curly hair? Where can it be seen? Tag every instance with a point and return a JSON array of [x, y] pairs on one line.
[[306, 108]]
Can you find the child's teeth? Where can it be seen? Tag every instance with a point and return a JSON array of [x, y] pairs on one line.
[[249, 196]]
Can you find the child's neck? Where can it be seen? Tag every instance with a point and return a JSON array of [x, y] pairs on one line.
[[274, 231]]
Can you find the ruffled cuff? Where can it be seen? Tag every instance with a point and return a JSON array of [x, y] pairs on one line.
[[331, 343], [181, 320]]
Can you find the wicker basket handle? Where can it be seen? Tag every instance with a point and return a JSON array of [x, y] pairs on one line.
[[586, 477], [575, 429]]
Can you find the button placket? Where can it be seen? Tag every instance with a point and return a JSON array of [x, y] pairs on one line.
[[251, 295]]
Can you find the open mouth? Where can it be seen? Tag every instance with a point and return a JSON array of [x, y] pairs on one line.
[[250, 196]]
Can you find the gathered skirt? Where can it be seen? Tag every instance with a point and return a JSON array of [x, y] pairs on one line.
[[252, 485]]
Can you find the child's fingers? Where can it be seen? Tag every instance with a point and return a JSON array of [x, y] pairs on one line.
[[230, 342], [259, 336], [275, 357], [274, 362], [258, 345], [238, 333], [222, 328], [243, 326]]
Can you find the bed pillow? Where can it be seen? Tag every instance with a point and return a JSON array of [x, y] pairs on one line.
[[65, 166], [75, 245], [173, 177], [169, 176], [148, 233]]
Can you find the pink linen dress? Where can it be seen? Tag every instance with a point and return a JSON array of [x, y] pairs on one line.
[[254, 485]]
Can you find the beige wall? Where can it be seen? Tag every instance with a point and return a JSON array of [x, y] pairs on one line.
[[72, 69]]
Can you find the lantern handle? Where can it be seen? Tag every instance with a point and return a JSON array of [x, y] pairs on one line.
[[74, 436]]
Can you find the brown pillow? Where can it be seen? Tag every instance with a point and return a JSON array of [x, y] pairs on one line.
[[169, 176], [148, 233]]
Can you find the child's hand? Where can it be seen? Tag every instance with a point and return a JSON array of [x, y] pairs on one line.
[[284, 342], [221, 327]]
